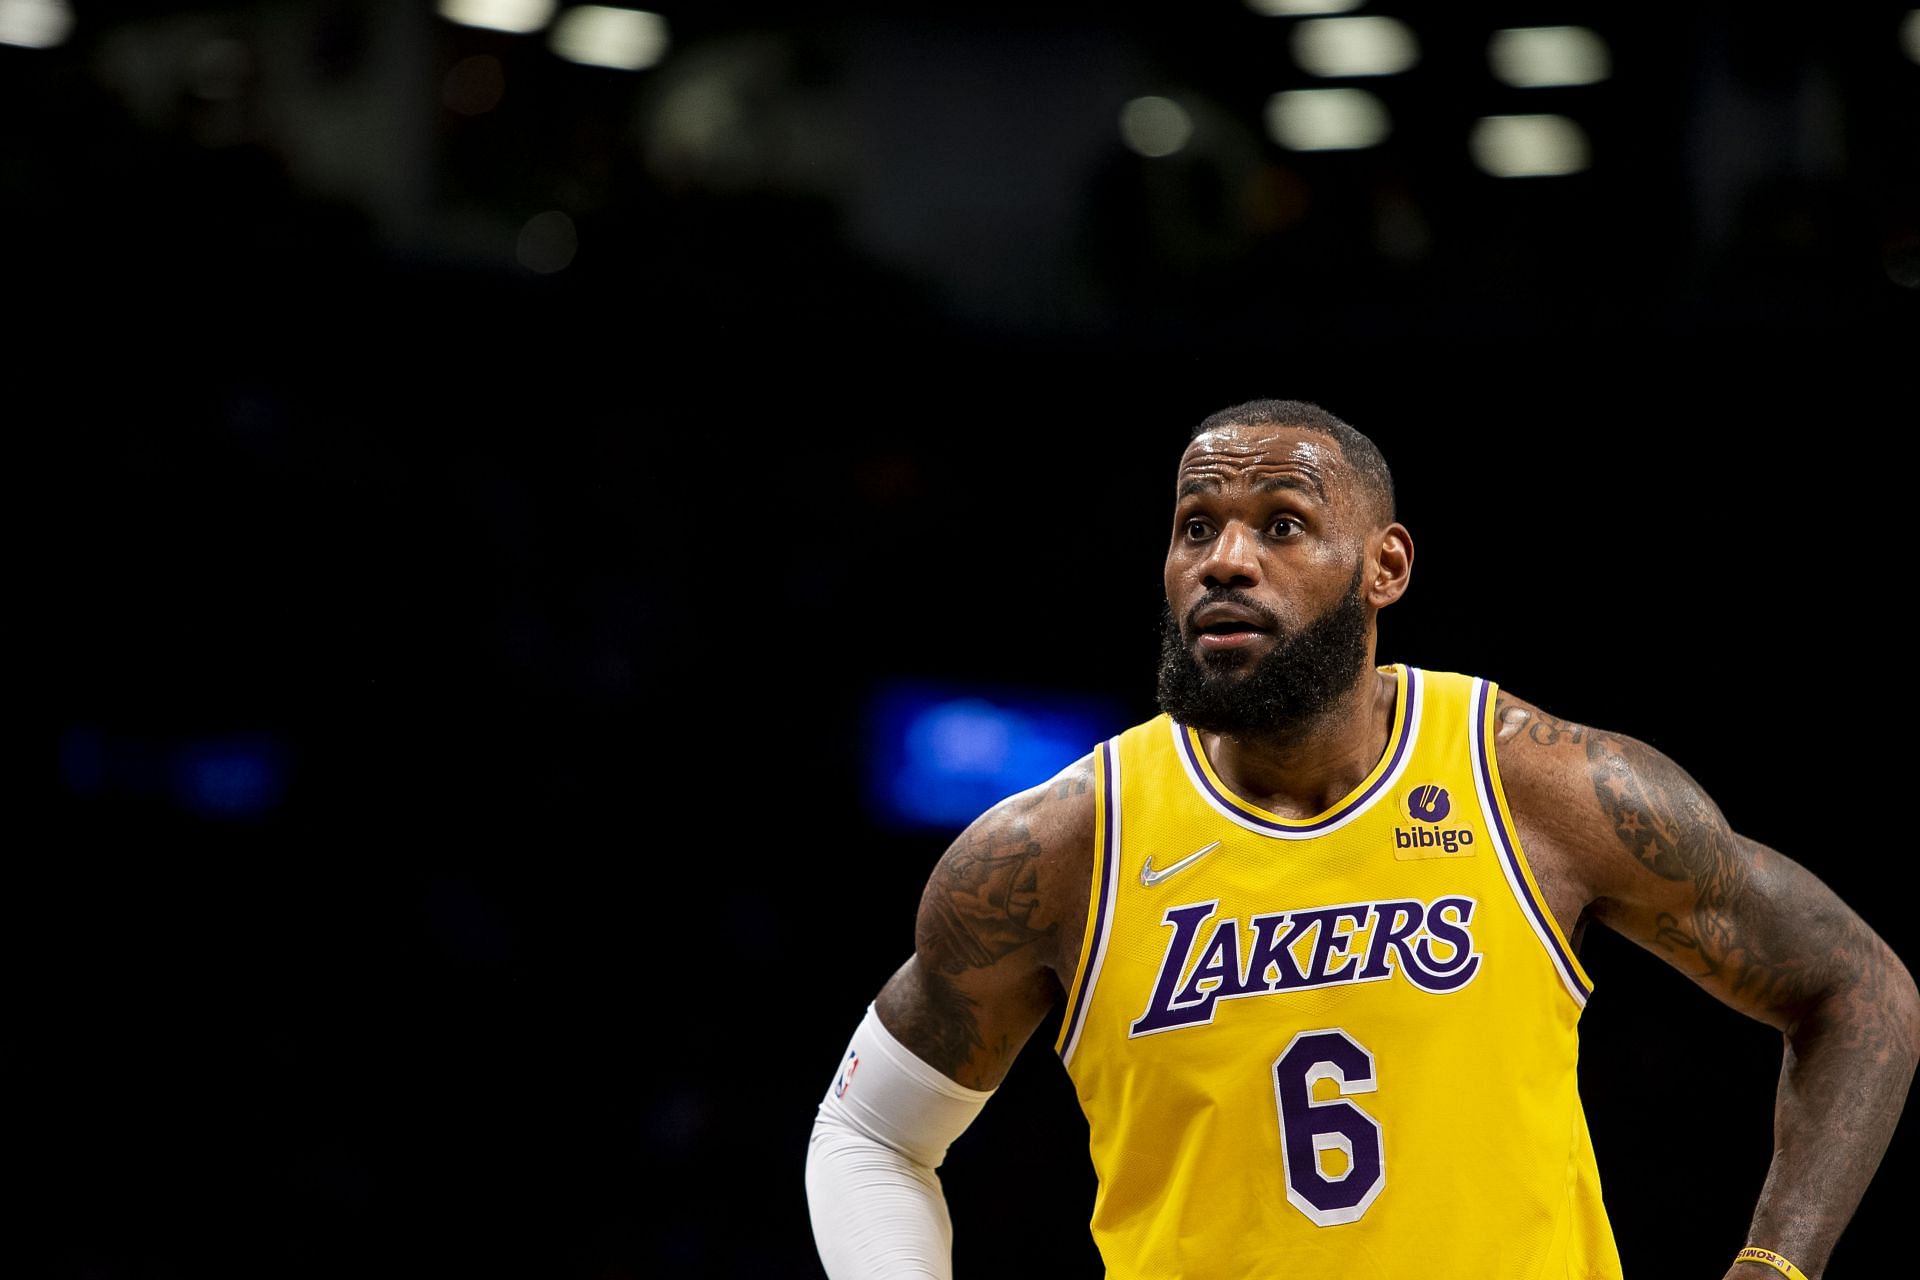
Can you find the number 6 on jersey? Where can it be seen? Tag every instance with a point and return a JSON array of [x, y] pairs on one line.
[[1308, 1128]]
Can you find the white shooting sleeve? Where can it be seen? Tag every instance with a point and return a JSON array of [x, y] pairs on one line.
[[883, 1128]]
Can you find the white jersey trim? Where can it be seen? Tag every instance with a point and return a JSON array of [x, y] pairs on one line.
[[1100, 918], [1509, 852], [1415, 688]]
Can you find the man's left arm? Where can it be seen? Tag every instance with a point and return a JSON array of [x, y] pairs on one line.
[[1633, 841]]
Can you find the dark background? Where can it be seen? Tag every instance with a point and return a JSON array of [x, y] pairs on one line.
[[446, 852]]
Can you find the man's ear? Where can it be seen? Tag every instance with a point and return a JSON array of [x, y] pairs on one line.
[[1391, 562]]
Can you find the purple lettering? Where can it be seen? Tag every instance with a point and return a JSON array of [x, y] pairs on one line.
[[1162, 1014], [1393, 924], [1330, 942], [1270, 951], [1431, 974], [1219, 963], [1405, 934]]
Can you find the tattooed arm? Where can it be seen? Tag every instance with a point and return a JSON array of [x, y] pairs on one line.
[[1619, 833], [998, 932], [1000, 925]]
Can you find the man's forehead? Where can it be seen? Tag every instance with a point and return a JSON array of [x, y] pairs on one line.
[[1258, 450]]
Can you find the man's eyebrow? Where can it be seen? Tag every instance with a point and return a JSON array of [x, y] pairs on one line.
[[1310, 484], [1210, 484]]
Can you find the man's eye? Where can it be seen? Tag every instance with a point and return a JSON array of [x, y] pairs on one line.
[[1282, 526], [1196, 529]]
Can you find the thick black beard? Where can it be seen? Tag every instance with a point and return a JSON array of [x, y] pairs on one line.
[[1293, 685]]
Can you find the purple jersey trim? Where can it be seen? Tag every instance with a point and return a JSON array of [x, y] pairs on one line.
[[1111, 813], [1405, 725], [1509, 850]]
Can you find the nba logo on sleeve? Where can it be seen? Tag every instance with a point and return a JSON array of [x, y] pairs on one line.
[[846, 1073]]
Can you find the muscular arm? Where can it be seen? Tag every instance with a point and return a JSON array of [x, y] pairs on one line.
[[998, 932], [1619, 833], [999, 924]]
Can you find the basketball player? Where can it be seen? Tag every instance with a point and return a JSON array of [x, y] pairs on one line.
[[1317, 932]]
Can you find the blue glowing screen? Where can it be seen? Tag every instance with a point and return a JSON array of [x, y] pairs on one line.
[[940, 755]]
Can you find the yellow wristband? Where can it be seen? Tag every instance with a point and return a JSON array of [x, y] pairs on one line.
[[1771, 1259]]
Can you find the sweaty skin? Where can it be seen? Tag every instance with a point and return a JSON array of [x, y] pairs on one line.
[[1614, 831]]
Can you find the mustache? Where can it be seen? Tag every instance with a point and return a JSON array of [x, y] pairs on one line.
[[1240, 599]]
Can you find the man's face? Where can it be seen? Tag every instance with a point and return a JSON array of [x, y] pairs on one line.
[[1267, 620]]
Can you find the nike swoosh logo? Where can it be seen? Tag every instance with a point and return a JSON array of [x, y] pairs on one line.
[[1149, 877]]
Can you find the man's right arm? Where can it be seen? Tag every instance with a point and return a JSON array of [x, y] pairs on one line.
[[996, 940]]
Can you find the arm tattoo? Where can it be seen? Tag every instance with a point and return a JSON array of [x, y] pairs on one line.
[[981, 904], [947, 1034], [1670, 826], [1076, 783], [978, 909], [1537, 725], [1656, 809]]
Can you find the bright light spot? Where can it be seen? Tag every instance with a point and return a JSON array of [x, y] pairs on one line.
[[624, 39], [547, 243], [474, 86], [1355, 46], [1294, 8], [1534, 57], [937, 756], [968, 737], [1910, 35], [516, 16], [1529, 146], [1155, 126], [35, 24], [1327, 119]]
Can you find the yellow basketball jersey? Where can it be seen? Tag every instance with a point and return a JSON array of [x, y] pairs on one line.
[[1335, 1046]]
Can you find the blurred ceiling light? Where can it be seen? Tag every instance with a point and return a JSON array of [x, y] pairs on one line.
[[1155, 126], [547, 243], [1355, 46], [1294, 8], [1910, 35], [35, 24], [1529, 146], [1327, 119], [515, 16], [601, 36], [1536, 57]]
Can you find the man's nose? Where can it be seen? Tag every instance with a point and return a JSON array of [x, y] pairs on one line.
[[1233, 559]]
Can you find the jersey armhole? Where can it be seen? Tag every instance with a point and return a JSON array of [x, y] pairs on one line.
[[1100, 895], [1513, 860]]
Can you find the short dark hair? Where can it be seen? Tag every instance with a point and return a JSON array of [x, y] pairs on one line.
[[1360, 453]]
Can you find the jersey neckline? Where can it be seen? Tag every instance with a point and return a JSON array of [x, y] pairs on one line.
[[1406, 725]]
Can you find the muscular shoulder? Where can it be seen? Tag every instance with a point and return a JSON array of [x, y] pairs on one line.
[[1544, 766], [998, 930], [1017, 877], [1603, 806]]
